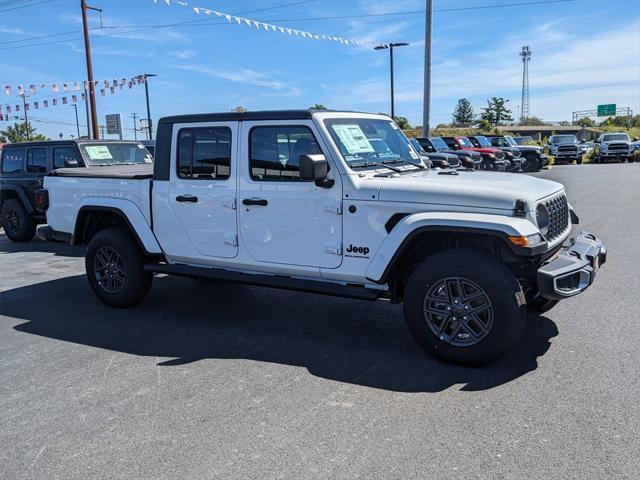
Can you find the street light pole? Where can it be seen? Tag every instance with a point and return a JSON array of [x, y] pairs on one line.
[[426, 100], [77, 123], [146, 92], [87, 49], [390, 47]]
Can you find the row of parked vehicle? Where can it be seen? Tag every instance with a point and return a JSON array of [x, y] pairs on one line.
[[616, 146], [491, 152]]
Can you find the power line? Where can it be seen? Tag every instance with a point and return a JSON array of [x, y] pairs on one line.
[[25, 6], [207, 22]]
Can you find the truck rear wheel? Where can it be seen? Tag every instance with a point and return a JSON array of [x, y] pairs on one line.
[[17, 223], [114, 265], [464, 307]]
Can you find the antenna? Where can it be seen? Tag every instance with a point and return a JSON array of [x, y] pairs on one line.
[[526, 58]]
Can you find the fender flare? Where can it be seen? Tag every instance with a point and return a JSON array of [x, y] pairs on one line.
[[22, 196], [412, 225], [129, 212]]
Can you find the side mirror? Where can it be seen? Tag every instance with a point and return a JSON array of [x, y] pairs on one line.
[[70, 163], [315, 167]]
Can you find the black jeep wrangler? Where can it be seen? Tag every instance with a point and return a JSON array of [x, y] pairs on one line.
[[24, 165]]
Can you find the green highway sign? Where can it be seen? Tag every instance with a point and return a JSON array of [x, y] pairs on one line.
[[607, 110]]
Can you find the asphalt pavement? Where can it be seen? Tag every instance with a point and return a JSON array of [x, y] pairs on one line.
[[209, 380]]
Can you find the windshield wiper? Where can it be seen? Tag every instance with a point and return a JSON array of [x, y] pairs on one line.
[[379, 164]]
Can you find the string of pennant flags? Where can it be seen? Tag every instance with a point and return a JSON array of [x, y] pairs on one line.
[[268, 27], [106, 86]]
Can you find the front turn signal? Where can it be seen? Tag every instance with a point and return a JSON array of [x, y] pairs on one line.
[[519, 241]]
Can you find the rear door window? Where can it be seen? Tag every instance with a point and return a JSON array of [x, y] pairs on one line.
[[12, 160], [37, 160], [62, 155]]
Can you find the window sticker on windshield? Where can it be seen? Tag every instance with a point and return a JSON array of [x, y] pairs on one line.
[[353, 139], [98, 152], [414, 155], [140, 146], [393, 125]]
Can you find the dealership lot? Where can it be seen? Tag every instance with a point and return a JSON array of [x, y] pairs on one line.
[[207, 380]]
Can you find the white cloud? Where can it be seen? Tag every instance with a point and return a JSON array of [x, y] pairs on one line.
[[182, 54], [14, 31], [246, 76]]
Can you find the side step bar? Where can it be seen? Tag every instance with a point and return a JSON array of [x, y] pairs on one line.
[[272, 281]]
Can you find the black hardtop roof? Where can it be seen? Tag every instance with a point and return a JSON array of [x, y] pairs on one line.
[[247, 116], [54, 143]]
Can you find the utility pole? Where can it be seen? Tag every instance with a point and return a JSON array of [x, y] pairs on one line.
[[86, 110], [146, 92], [87, 49], [135, 128], [26, 116], [77, 123], [426, 105]]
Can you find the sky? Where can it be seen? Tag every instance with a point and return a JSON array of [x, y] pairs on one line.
[[585, 53]]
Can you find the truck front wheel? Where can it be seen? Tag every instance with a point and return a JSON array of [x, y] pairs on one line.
[[114, 265], [464, 307]]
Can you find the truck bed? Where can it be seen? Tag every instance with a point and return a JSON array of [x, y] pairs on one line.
[[127, 172]]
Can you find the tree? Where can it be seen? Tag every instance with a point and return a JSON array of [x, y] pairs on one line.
[[496, 111], [239, 109], [19, 132], [533, 122], [586, 122], [402, 122], [463, 114], [484, 125], [318, 106]]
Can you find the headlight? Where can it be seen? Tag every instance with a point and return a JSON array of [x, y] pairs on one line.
[[542, 218]]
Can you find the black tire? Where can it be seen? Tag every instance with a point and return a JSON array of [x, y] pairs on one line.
[[579, 161], [128, 283], [17, 223], [502, 293], [531, 164]]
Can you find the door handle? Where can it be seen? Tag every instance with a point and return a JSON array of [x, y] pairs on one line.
[[186, 198], [255, 201]]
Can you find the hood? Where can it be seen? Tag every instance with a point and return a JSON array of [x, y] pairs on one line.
[[490, 150], [487, 190], [529, 148], [442, 156]]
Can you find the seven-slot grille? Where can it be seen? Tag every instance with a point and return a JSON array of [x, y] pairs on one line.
[[567, 148], [618, 147], [558, 209]]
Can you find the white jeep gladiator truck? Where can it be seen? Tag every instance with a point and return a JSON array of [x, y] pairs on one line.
[[304, 200]]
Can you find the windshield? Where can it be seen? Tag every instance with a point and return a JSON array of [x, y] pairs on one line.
[[114, 153], [465, 142], [623, 137], [511, 141], [563, 139], [363, 140], [417, 146], [439, 143], [483, 141]]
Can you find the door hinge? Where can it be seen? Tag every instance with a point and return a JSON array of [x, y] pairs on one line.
[[229, 203], [334, 208], [231, 239], [335, 248]]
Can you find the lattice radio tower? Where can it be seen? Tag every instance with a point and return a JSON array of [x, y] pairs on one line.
[[526, 58]]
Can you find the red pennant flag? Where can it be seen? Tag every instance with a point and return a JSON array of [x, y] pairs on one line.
[[46, 104], [65, 86], [26, 107], [102, 92], [54, 101], [7, 89], [35, 105], [32, 89], [74, 99], [20, 90], [55, 87], [8, 108], [17, 108], [64, 100]]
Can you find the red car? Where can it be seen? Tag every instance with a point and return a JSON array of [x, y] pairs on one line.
[[492, 158]]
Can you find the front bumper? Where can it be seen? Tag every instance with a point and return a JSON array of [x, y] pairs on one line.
[[574, 269]]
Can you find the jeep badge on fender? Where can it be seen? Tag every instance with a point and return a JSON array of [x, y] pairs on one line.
[[363, 251]]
